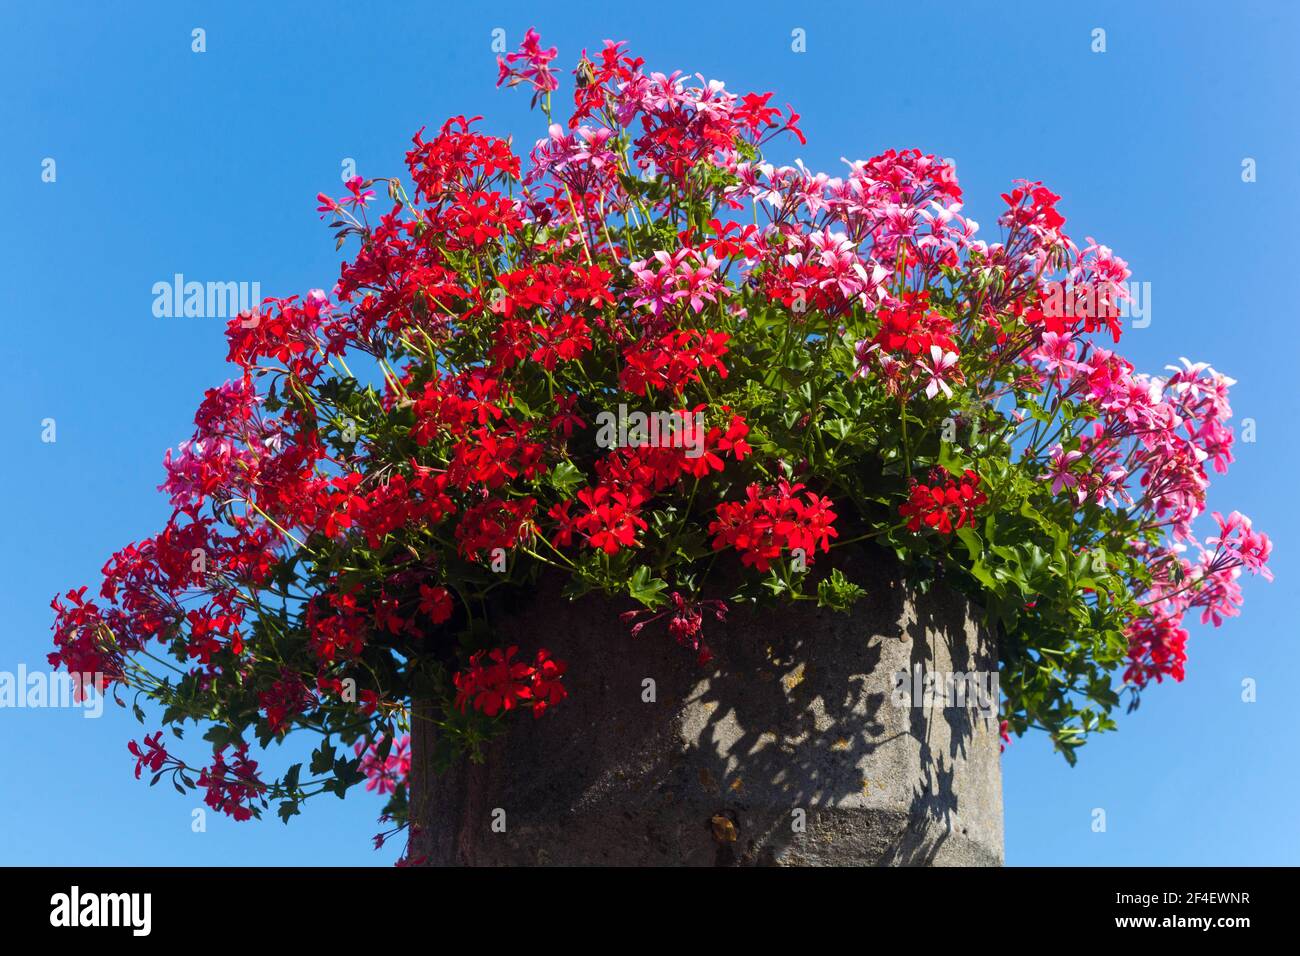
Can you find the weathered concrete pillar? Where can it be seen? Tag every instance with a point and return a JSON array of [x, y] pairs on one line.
[[788, 748]]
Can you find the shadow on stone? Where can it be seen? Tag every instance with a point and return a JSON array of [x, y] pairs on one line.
[[787, 749]]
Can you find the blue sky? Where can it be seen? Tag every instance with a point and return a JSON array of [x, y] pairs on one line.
[[170, 161]]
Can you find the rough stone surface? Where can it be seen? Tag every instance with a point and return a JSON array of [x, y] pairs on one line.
[[793, 720]]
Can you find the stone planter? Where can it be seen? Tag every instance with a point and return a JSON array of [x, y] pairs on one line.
[[789, 748]]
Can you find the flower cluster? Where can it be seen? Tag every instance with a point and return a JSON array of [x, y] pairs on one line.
[[946, 504], [1157, 640], [685, 621], [913, 345], [341, 541], [500, 683], [767, 524], [385, 771]]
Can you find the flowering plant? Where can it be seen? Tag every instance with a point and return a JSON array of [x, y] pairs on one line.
[[833, 360]]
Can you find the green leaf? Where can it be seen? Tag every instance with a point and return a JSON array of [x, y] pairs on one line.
[[645, 588], [973, 542], [565, 476], [322, 759], [838, 593], [219, 735]]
